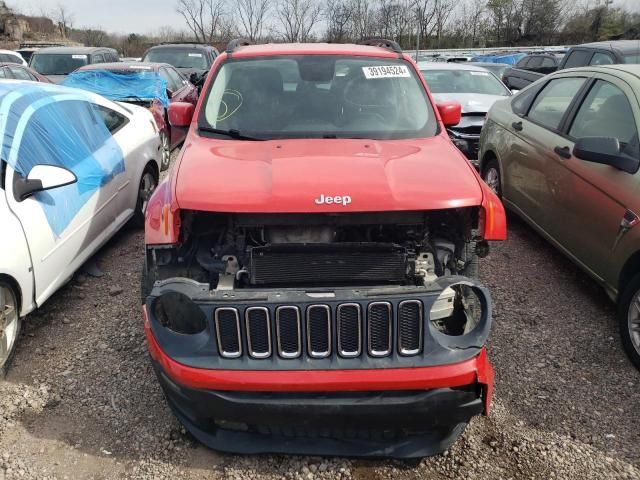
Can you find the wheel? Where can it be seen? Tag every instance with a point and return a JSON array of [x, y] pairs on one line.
[[166, 151], [491, 177], [148, 183], [10, 324], [629, 320]]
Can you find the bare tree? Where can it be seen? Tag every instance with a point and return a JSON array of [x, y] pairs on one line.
[[363, 19], [252, 14], [205, 18], [93, 38], [338, 14], [65, 20], [297, 19]]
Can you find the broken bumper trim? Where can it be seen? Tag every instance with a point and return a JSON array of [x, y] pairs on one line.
[[396, 412], [477, 370]]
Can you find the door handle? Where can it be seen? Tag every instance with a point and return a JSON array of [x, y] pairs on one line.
[[517, 126], [564, 152]]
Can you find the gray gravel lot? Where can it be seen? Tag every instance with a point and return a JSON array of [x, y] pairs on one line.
[[82, 401]]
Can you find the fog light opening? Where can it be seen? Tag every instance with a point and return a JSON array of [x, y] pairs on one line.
[[457, 311], [178, 313]]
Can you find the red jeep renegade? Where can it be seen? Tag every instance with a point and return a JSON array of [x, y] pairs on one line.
[[311, 260]]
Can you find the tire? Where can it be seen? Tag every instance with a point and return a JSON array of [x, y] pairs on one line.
[[629, 320], [165, 149], [491, 176], [148, 183], [10, 325]]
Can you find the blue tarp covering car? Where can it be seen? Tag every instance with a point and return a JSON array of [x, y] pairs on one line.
[[510, 59], [121, 86], [53, 125]]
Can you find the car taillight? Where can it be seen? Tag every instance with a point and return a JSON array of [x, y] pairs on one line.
[[493, 220]]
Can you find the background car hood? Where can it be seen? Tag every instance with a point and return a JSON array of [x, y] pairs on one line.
[[471, 102], [291, 175]]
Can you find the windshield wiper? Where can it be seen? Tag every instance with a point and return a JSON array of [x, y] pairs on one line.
[[235, 134]]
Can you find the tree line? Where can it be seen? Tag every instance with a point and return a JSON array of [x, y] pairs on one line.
[[425, 24]]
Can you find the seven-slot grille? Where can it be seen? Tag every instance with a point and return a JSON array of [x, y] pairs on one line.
[[348, 329]]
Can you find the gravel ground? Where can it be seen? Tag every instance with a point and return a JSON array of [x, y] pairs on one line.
[[81, 400]]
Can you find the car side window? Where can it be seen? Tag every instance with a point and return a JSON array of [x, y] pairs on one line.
[[3, 73], [578, 58], [523, 62], [522, 100], [178, 80], [113, 120], [605, 112], [553, 101], [20, 73], [98, 58], [601, 59], [167, 78]]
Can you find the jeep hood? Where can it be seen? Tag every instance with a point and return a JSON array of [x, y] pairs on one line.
[[279, 176]]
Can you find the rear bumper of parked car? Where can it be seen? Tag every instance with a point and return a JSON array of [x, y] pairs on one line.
[[394, 412]]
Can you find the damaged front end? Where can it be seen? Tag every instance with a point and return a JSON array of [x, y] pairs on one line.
[[298, 333]]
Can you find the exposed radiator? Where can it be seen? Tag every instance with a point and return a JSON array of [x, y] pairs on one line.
[[335, 263]]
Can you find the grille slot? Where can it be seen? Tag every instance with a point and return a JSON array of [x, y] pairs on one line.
[[227, 323], [410, 321], [258, 332], [349, 318], [379, 317], [319, 331], [288, 332]]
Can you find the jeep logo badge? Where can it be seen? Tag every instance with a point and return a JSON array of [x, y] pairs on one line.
[[343, 200]]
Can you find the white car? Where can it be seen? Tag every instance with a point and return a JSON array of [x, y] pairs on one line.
[[74, 169], [9, 56], [475, 88]]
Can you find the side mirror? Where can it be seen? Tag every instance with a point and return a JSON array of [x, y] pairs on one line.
[[180, 114], [450, 112], [40, 178], [605, 150], [169, 93]]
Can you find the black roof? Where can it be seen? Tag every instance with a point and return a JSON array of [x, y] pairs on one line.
[[625, 46]]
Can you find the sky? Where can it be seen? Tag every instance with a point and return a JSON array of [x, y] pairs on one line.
[[117, 16]]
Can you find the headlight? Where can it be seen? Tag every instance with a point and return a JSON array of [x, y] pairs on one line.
[[178, 313], [457, 311]]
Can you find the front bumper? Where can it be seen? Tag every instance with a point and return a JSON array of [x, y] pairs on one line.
[[403, 413], [468, 144]]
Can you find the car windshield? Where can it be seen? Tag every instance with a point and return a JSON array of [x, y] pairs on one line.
[[178, 57], [496, 68], [464, 81], [319, 96], [57, 64]]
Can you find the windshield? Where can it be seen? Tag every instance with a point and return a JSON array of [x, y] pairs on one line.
[[319, 96], [178, 57], [464, 81], [632, 58], [57, 64], [496, 68]]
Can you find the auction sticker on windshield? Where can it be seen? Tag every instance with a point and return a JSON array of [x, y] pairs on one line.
[[386, 71]]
